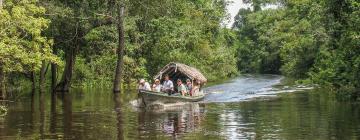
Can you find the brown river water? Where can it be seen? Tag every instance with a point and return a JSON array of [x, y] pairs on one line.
[[247, 107]]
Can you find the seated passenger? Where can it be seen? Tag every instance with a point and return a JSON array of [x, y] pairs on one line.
[[181, 88], [143, 85], [157, 86], [196, 89], [168, 86], [189, 86]]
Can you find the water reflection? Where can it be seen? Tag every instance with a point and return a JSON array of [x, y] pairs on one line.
[[42, 114], [67, 115], [119, 116], [173, 120], [53, 114], [103, 115]]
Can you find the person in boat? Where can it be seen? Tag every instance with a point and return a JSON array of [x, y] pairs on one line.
[[181, 88], [157, 86], [143, 85], [196, 88], [168, 86], [189, 86]]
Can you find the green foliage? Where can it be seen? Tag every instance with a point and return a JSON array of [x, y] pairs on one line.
[[259, 49], [313, 40], [183, 31], [85, 32], [22, 45], [338, 64], [193, 37]]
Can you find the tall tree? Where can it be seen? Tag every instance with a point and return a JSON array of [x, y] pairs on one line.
[[22, 45], [120, 49], [2, 82], [72, 20], [64, 84]]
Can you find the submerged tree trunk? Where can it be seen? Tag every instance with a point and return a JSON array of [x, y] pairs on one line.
[[120, 49], [33, 81], [2, 82], [54, 72], [119, 117], [64, 84], [42, 76]]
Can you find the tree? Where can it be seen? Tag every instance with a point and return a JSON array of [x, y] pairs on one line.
[[120, 49], [72, 20], [23, 48], [313, 40], [338, 63]]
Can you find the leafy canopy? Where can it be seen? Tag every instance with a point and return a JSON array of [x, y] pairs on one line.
[[22, 45]]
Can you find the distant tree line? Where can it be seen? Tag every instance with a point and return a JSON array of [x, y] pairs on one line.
[[313, 40]]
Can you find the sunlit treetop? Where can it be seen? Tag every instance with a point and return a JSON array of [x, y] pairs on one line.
[[22, 45]]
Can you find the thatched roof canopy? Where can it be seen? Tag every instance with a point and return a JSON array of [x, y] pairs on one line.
[[181, 71]]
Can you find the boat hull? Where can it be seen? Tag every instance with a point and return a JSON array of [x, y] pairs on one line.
[[149, 97]]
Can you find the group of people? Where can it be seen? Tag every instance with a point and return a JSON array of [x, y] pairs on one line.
[[188, 89]]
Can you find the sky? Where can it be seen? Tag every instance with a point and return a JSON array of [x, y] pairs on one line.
[[235, 5], [233, 9]]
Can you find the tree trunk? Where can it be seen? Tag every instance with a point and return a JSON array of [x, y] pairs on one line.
[[42, 76], [33, 80], [53, 72], [2, 74], [2, 82], [120, 49], [64, 84]]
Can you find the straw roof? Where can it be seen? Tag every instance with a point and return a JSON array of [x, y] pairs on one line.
[[181, 70]]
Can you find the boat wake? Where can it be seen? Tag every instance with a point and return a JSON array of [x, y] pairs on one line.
[[248, 87], [244, 88]]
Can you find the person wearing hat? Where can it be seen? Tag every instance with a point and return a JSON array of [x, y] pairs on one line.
[[143, 85], [157, 86]]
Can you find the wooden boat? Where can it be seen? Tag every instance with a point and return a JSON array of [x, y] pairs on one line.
[[149, 97], [175, 71]]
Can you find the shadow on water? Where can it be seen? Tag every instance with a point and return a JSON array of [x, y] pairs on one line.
[[42, 114], [53, 114], [173, 121], [99, 114], [67, 115], [119, 116]]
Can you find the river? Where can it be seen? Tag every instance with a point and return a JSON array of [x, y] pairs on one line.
[[247, 107]]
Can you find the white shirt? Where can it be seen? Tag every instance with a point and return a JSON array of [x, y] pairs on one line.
[[168, 85], [156, 88], [146, 86]]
